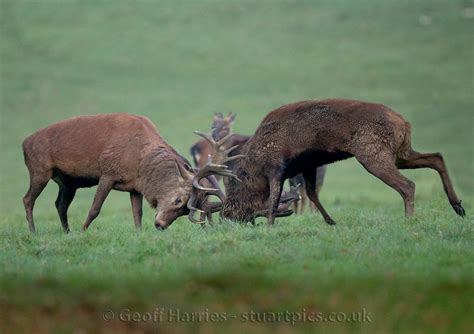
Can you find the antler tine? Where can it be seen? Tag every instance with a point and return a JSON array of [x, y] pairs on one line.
[[207, 136], [209, 191], [286, 200], [220, 154], [211, 168], [261, 213], [227, 152], [215, 207], [193, 220], [264, 213], [221, 141], [193, 209], [198, 186], [234, 157], [286, 213]]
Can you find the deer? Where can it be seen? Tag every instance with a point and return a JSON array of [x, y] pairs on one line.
[[221, 127], [298, 138], [121, 152]]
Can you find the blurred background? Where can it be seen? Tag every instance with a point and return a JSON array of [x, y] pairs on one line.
[[178, 62]]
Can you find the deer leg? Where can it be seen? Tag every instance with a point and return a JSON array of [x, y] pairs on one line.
[[434, 161], [137, 208], [313, 207], [304, 199], [297, 206], [317, 179], [385, 169], [103, 189], [274, 200], [320, 172], [209, 218], [37, 184], [303, 195], [65, 197], [310, 185]]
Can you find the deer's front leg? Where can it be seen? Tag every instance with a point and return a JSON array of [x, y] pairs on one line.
[[310, 184], [137, 208], [274, 198], [103, 188]]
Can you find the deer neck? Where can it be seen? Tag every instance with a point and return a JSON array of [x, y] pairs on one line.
[[156, 169]]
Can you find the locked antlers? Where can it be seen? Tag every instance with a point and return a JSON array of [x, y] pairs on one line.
[[214, 166]]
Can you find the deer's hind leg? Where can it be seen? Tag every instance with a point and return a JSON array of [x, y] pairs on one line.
[[38, 181], [413, 159], [304, 199], [382, 165], [63, 201], [298, 206]]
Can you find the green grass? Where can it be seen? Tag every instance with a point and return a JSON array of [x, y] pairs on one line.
[[177, 63]]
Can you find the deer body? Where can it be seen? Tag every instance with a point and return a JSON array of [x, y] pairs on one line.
[[117, 151], [299, 137]]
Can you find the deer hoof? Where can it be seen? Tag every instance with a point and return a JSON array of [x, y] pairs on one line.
[[459, 209], [329, 221]]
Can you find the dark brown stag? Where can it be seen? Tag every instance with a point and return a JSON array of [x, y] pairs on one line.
[[117, 151], [221, 127], [299, 137]]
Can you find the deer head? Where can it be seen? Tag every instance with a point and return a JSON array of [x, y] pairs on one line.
[[221, 126]]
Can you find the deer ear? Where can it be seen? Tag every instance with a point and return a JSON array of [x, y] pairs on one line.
[[231, 117], [218, 115], [182, 173]]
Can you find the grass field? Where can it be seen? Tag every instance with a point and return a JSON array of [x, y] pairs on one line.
[[177, 63]]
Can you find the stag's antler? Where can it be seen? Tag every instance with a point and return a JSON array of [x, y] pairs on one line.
[[220, 154], [286, 199], [214, 166]]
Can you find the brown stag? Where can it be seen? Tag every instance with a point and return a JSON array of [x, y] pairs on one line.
[[299, 137], [117, 151]]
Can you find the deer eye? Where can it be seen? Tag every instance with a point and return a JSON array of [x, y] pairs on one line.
[[177, 201]]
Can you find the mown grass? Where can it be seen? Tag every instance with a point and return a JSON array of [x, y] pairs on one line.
[[178, 63]]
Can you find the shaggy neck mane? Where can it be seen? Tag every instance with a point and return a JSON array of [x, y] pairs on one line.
[[246, 197], [158, 170]]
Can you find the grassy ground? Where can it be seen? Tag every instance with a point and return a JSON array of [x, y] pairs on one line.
[[178, 63]]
